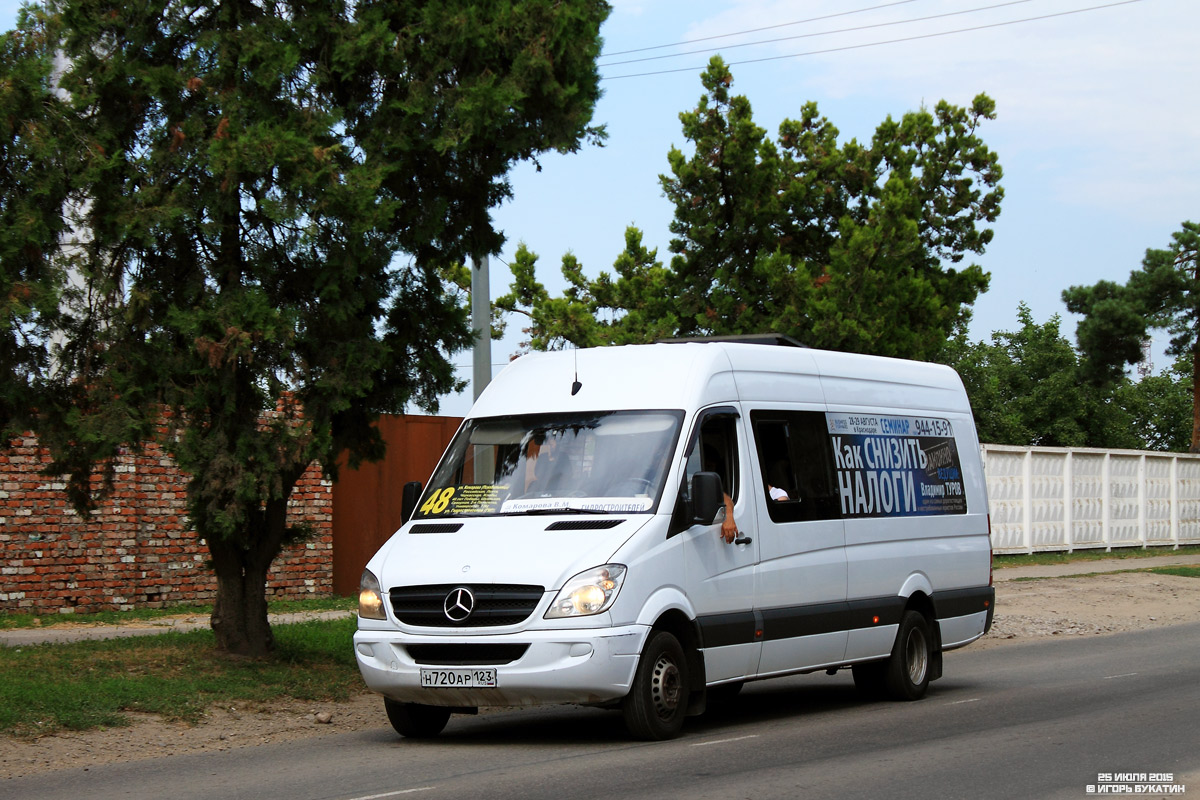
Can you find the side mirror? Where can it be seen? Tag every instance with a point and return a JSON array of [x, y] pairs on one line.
[[408, 500], [707, 497]]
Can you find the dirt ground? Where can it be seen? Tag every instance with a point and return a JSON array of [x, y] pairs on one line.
[[1025, 611]]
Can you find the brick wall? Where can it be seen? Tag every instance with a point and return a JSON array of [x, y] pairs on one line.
[[136, 550]]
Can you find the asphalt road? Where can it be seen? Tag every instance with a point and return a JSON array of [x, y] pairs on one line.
[[1041, 720]]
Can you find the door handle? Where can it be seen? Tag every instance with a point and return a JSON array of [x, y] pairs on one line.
[[741, 539]]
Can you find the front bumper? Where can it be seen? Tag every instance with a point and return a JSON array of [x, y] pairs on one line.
[[558, 666]]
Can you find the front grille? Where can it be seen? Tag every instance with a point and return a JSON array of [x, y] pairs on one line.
[[496, 604], [466, 655]]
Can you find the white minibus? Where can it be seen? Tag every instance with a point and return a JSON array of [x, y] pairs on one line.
[[645, 527]]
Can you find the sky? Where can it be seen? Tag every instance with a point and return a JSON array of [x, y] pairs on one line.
[[1097, 129]]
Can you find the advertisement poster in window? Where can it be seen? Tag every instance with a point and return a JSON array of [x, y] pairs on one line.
[[895, 466]]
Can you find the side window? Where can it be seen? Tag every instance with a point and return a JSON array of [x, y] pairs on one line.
[[796, 464], [716, 450]]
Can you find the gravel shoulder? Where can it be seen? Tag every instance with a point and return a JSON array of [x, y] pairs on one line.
[[1090, 605], [1026, 611]]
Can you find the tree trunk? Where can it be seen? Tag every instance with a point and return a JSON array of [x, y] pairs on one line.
[[239, 617]]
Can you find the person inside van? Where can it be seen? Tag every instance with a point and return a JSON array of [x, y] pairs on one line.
[[778, 481], [534, 449], [538, 466]]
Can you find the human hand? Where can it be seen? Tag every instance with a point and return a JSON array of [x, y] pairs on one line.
[[729, 529]]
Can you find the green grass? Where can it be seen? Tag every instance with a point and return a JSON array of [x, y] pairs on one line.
[[12, 621], [1033, 559], [50, 688], [1183, 572]]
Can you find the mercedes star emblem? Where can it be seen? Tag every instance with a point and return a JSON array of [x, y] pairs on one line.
[[459, 604]]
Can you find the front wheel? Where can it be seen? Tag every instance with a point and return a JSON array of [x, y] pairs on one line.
[[657, 703], [415, 721], [907, 675]]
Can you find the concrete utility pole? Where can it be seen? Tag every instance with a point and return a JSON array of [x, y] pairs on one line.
[[1145, 367], [481, 318]]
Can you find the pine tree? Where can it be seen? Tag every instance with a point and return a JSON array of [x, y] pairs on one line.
[[842, 246], [264, 196]]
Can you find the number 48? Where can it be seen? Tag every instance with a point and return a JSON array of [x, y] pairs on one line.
[[438, 501]]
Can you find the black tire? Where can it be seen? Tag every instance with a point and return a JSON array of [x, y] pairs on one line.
[[415, 721], [908, 669], [657, 703]]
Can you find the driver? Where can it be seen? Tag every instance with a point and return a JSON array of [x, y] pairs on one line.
[[539, 450], [553, 464]]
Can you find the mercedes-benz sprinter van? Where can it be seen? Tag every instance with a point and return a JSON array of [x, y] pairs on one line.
[[639, 527]]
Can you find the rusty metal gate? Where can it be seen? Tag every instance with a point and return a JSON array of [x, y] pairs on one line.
[[366, 501]]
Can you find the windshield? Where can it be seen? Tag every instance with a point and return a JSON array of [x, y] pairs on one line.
[[595, 462]]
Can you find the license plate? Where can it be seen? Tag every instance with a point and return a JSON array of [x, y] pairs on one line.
[[457, 678]]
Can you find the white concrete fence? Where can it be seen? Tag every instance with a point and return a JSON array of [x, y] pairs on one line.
[[1060, 498]]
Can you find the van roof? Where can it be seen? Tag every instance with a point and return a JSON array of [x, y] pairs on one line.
[[690, 375]]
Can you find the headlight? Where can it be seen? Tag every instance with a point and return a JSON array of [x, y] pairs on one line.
[[588, 592], [370, 599]]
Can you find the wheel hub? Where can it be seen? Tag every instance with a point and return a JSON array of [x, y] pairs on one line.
[[665, 687], [916, 656]]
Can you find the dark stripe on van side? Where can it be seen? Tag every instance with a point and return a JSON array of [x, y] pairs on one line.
[[960, 602], [788, 623], [888, 609], [722, 630]]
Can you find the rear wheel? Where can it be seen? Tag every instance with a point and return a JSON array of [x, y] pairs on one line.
[[907, 675], [657, 703], [416, 721]]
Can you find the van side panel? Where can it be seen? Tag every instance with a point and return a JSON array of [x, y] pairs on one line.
[[864, 382], [767, 375], [801, 578], [802, 564], [949, 551], [959, 631], [722, 580], [802, 592], [806, 609]]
